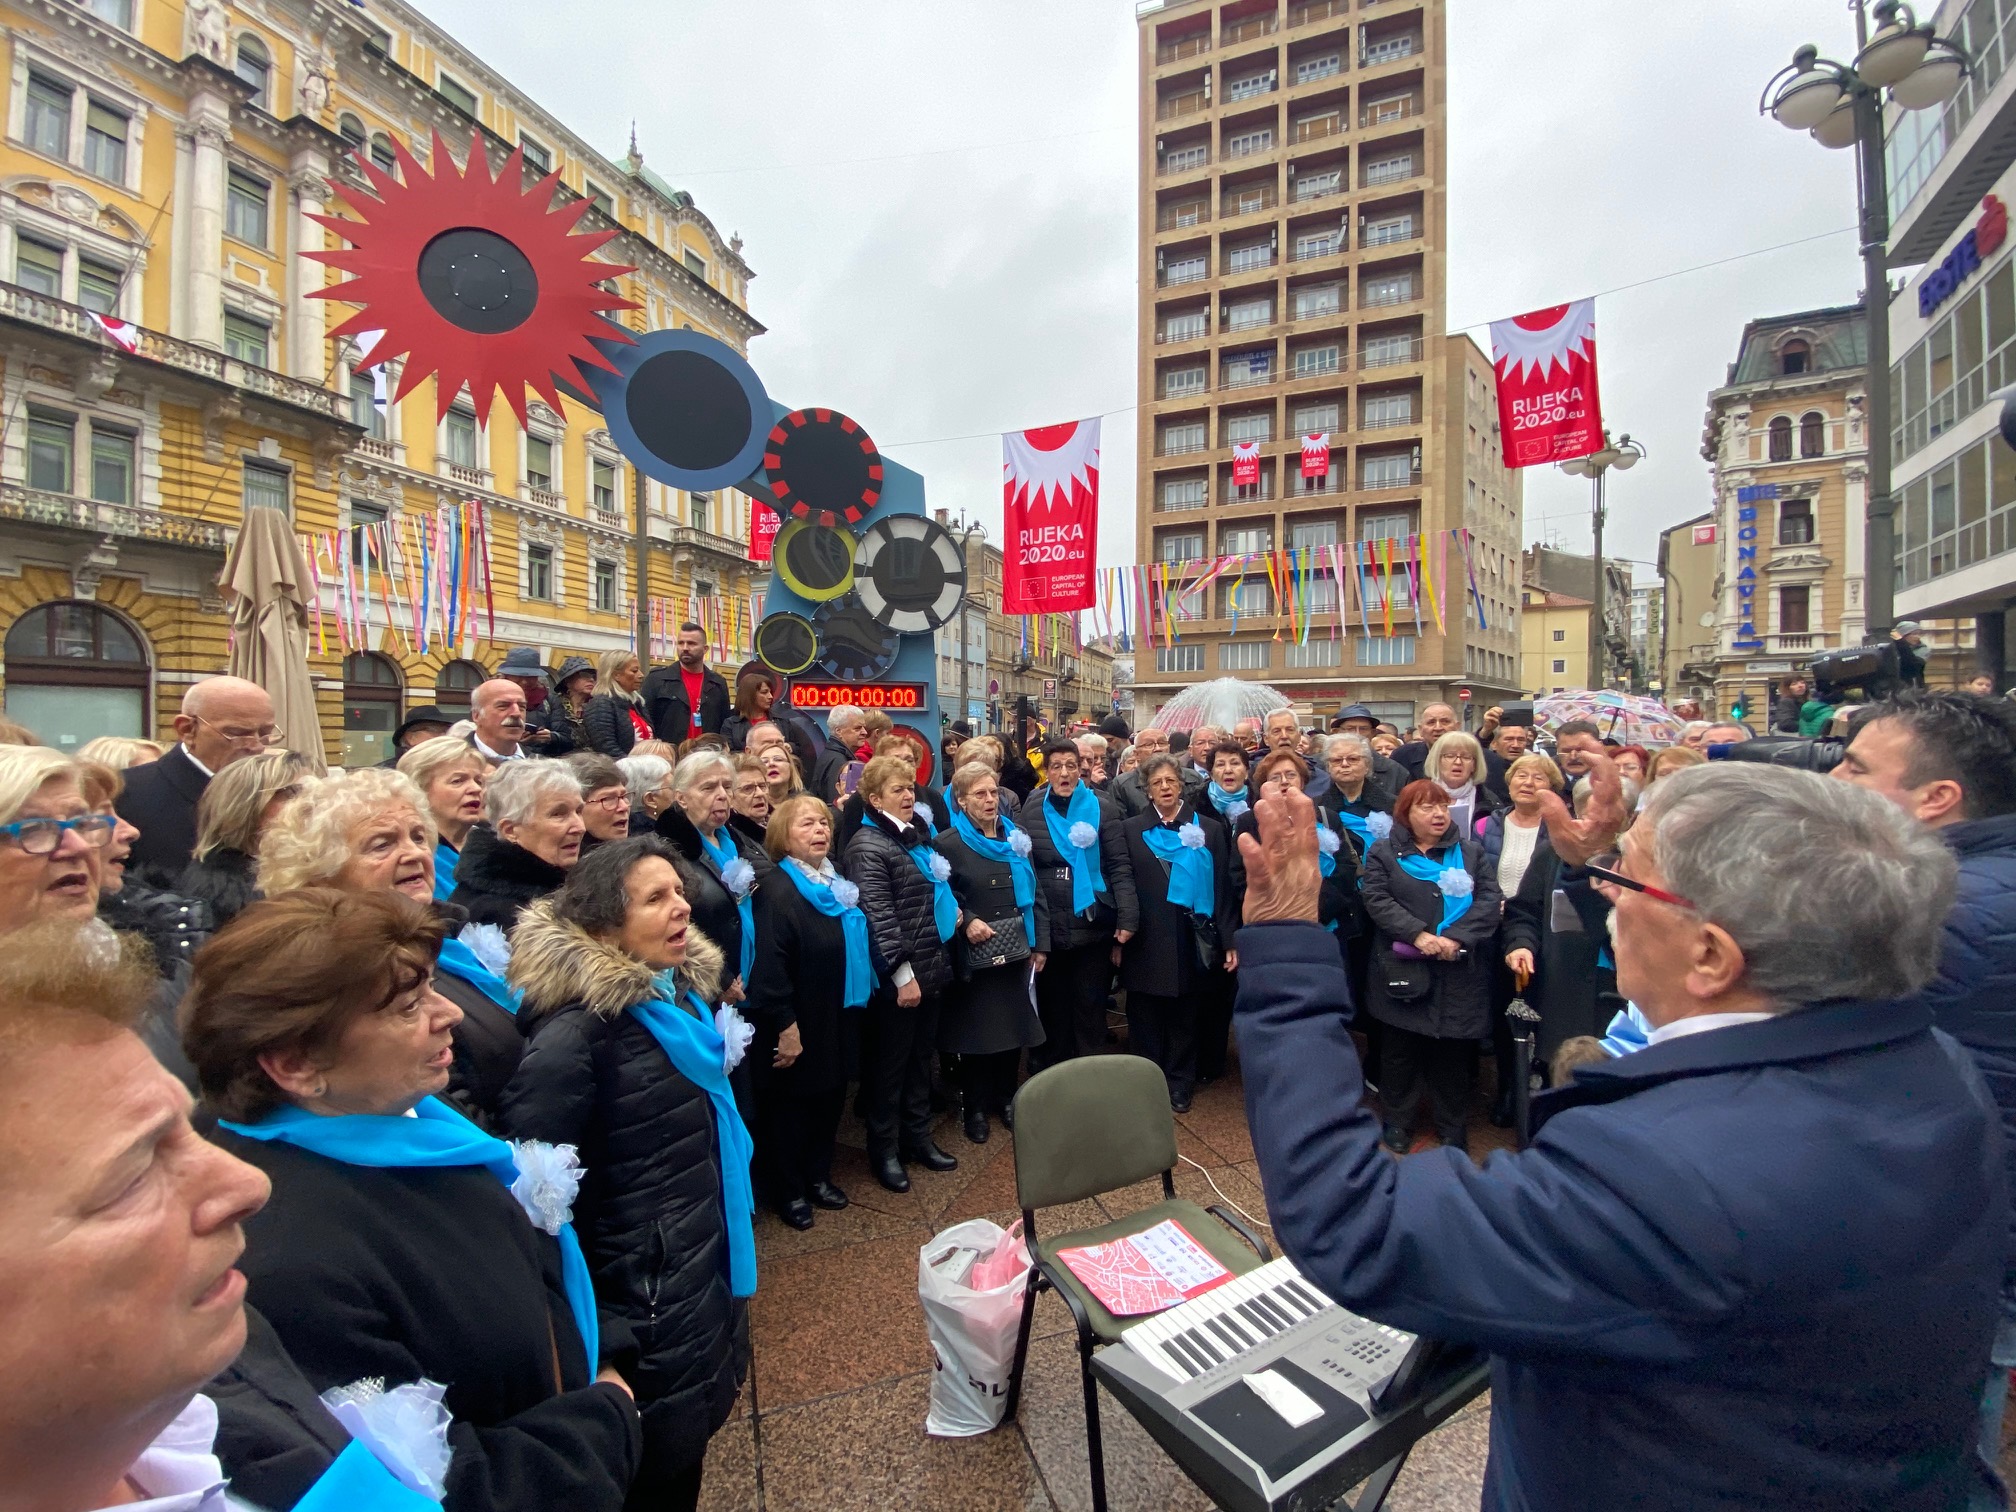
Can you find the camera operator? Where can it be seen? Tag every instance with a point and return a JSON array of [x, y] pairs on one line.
[[1949, 761]]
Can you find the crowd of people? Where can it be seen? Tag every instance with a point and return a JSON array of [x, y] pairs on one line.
[[487, 1058]]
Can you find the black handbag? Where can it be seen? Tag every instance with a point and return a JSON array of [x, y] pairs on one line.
[[1009, 943], [1406, 981], [1204, 936]]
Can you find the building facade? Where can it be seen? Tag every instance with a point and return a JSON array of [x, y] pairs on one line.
[[1292, 249], [1570, 575], [1689, 618], [1554, 640], [160, 166]]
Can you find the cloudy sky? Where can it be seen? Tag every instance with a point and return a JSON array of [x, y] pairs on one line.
[[938, 199]]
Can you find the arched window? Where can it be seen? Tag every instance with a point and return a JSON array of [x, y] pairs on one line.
[[74, 672], [1781, 439], [457, 681], [255, 67], [351, 130], [1794, 357], [1813, 434], [371, 685], [382, 154]]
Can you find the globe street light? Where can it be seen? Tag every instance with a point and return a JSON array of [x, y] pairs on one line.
[[1622, 454], [1841, 105]]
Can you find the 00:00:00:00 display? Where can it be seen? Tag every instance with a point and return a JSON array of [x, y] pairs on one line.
[[826, 695]]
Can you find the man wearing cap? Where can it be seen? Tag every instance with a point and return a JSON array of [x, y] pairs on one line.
[[1357, 719], [689, 697], [424, 723], [1909, 636]]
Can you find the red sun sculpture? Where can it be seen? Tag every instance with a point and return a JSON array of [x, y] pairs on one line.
[[472, 279]]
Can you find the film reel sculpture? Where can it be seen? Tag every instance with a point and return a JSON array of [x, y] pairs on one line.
[[475, 280]]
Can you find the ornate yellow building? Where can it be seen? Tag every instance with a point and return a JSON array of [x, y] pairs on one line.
[[160, 163]]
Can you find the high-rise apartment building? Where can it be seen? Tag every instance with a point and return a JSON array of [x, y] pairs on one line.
[[1293, 235]]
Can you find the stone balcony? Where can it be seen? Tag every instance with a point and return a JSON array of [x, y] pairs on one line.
[[132, 522]]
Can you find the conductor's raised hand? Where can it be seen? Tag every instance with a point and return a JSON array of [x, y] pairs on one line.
[[1283, 874], [1578, 840]]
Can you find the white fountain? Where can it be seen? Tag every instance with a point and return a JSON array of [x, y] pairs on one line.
[[1223, 702]]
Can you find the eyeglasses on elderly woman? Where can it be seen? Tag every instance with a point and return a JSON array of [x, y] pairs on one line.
[[40, 837]]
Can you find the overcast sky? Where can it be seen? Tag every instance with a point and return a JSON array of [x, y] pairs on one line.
[[937, 197]]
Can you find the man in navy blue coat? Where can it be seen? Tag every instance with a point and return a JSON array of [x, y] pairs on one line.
[[1949, 761], [1753, 1265]]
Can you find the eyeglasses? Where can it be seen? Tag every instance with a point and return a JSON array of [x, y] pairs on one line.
[[265, 735], [1604, 869], [611, 801], [40, 837]]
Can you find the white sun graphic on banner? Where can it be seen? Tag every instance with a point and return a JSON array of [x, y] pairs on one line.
[[1049, 464], [1538, 344]]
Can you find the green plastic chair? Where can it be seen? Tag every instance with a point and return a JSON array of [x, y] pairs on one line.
[[1082, 1128]]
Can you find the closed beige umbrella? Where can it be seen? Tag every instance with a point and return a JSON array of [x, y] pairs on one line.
[[266, 582]]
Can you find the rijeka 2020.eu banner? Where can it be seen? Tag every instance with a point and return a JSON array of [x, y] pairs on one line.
[[1548, 409], [1050, 508]]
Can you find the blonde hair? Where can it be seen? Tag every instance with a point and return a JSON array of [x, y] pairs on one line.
[[1455, 742], [120, 751], [229, 814], [23, 770], [984, 748], [782, 817], [877, 776], [607, 665], [428, 759], [1665, 763], [309, 842], [16, 734], [1538, 761], [663, 749], [875, 725]]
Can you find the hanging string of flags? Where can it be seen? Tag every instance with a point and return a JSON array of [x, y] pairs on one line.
[[423, 578]]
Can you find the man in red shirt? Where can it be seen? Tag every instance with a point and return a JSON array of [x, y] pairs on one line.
[[688, 698]]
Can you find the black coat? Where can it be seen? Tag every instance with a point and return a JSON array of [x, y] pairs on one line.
[[671, 715], [1339, 900], [1161, 959], [557, 718], [897, 898], [988, 1010], [1116, 908], [173, 926], [607, 727], [488, 1046], [822, 778], [1132, 794], [226, 880], [850, 814], [495, 879], [715, 913], [275, 1439], [1570, 990], [649, 1214], [159, 799], [1458, 1005], [438, 1273], [804, 736], [799, 978]]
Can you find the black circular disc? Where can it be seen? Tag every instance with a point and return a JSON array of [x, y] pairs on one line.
[[478, 281], [853, 646], [688, 410], [786, 643], [823, 467], [815, 561], [909, 573]]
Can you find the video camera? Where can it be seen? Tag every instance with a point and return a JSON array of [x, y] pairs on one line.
[[1868, 670], [1820, 756]]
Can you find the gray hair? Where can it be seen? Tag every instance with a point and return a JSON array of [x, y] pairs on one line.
[[596, 770], [1583, 790], [1091, 741], [1345, 741], [697, 764], [516, 789], [1831, 891], [842, 714], [1156, 763], [643, 775]]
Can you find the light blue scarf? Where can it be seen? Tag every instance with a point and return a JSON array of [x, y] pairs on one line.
[[944, 906], [1088, 879], [360, 1482], [693, 1045], [459, 961], [1427, 869], [1369, 828], [1229, 805], [436, 1137], [445, 857], [722, 851], [853, 927], [1003, 851], [1193, 882]]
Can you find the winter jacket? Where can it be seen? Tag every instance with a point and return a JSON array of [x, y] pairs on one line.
[[1785, 714], [555, 717], [226, 880], [1574, 988], [1131, 793], [1973, 998], [897, 898], [173, 926], [805, 737], [495, 879], [607, 726], [1161, 959], [1458, 1004], [671, 715], [822, 778], [799, 978], [1749, 1268], [1341, 900], [1814, 717], [649, 1214], [1116, 908], [715, 913], [488, 1047]]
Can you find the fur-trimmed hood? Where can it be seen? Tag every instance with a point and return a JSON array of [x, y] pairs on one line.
[[556, 963]]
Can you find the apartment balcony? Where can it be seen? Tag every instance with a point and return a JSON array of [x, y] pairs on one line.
[[1383, 299], [1184, 386], [1174, 164], [1248, 29], [1178, 106], [1317, 129], [1176, 217], [608, 519], [1181, 335], [1335, 247], [1316, 11], [132, 522], [1248, 320], [1382, 232], [1181, 503], [468, 477], [1250, 260], [1387, 112], [1172, 277], [1258, 144], [378, 449], [1395, 354], [1387, 422], [1390, 50], [1244, 378], [1252, 87], [1316, 317], [1388, 482], [707, 544], [1329, 485], [1181, 447], [1252, 493], [1193, 46], [1234, 204], [546, 498]]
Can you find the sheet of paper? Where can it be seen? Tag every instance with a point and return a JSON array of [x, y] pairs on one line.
[[1145, 1272], [1182, 1261]]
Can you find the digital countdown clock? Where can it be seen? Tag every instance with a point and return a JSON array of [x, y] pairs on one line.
[[879, 695]]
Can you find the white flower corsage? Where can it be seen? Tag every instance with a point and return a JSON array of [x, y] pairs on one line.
[[1192, 835], [735, 1032], [1235, 810], [738, 876], [1456, 882], [1378, 826], [940, 867], [1020, 843], [489, 944], [845, 893], [923, 811], [406, 1429], [1083, 836], [1326, 839], [549, 1178]]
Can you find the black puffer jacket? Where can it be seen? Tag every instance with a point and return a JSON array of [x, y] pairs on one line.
[[715, 913], [1117, 907], [173, 926], [1458, 1003], [606, 724], [897, 898], [495, 879], [225, 879], [649, 1214]]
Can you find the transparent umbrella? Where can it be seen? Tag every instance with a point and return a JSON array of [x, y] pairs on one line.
[[1222, 702], [1629, 717]]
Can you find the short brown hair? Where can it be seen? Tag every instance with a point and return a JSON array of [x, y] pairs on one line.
[[293, 973], [1274, 759], [1665, 763], [785, 815], [1412, 796], [883, 771]]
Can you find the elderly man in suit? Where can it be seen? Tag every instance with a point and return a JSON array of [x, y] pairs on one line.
[[222, 719]]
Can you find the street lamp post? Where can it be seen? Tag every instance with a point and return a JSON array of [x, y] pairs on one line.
[[1842, 106], [1622, 454], [974, 582]]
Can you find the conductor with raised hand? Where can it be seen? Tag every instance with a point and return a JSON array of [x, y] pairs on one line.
[[1752, 1265]]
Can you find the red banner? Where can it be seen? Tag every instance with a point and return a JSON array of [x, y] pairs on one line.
[[1548, 409], [1050, 510], [764, 523], [1245, 463], [1316, 455]]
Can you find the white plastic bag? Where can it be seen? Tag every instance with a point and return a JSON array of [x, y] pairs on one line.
[[972, 1331]]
